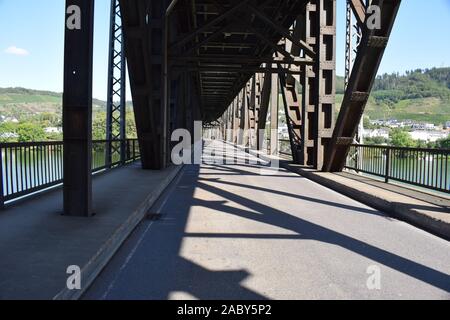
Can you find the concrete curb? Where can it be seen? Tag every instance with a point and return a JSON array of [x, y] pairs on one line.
[[95, 265], [405, 212], [401, 211]]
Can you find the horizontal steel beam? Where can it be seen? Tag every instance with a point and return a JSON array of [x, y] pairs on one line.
[[285, 33], [243, 70], [208, 25], [236, 59]]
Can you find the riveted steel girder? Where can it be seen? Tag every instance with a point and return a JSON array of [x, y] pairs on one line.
[[363, 74]]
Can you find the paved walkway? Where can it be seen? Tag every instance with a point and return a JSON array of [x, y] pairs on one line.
[[38, 244], [240, 231]]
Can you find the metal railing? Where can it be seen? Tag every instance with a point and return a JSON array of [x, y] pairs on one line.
[[427, 168], [284, 147], [28, 167], [101, 147]]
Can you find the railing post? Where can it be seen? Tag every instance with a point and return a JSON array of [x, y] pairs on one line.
[[123, 158], [2, 197], [109, 159], [127, 150], [388, 165]]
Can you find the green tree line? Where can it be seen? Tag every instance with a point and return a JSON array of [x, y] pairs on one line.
[[414, 84], [401, 138], [33, 129]]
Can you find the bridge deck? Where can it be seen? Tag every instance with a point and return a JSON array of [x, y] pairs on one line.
[[37, 243], [228, 231]]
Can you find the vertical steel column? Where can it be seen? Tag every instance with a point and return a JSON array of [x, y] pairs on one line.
[[77, 107], [292, 111], [236, 120], [116, 96], [225, 123], [223, 127], [231, 108], [159, 91], [274, 115], [170, 80], [251, 122], [175, 107], [2, 197], [145, 29], [291, 99], [257, 109], [324, 28], [246, 106], [233, 121], [230, 123], [318, 81], [189, 105], [242, 118], [307, 81], [264, 106]]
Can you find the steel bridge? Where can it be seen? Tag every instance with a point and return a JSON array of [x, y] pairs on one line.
[[222, 62], [233, 65]]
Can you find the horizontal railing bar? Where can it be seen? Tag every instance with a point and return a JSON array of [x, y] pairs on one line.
[[401, 148], [49, 143], [29, 167], [422, 167], [30, 144], [32, 190]]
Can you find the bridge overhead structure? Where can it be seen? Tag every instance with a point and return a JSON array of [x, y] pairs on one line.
[[374, 40], [307, 88], [225, 51], [229, 63]]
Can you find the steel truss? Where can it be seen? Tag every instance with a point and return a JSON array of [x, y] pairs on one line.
[[116, 96], [144, 24], [310, 118], [352, 42], [370, 53]]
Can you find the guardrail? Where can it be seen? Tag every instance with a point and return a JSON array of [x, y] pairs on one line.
[[28, 167], [427, 168], [284, 147]]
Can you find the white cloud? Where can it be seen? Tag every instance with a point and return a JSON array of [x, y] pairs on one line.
[[16, 51]]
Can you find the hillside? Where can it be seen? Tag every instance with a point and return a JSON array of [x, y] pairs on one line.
[[421, 95], [24, 103]]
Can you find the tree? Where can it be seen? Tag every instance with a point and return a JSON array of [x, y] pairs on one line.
[[375, 141], [443, 143], [30, 132], [7, 132], [401, 138], [367, 124], [99, 126], [130, 126]]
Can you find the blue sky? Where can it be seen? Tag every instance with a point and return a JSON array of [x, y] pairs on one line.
[[32, 35]]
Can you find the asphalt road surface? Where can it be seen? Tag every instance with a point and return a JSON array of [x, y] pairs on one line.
[[243, 231]]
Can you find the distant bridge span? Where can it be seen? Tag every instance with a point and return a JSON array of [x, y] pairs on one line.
[[223, 62]]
